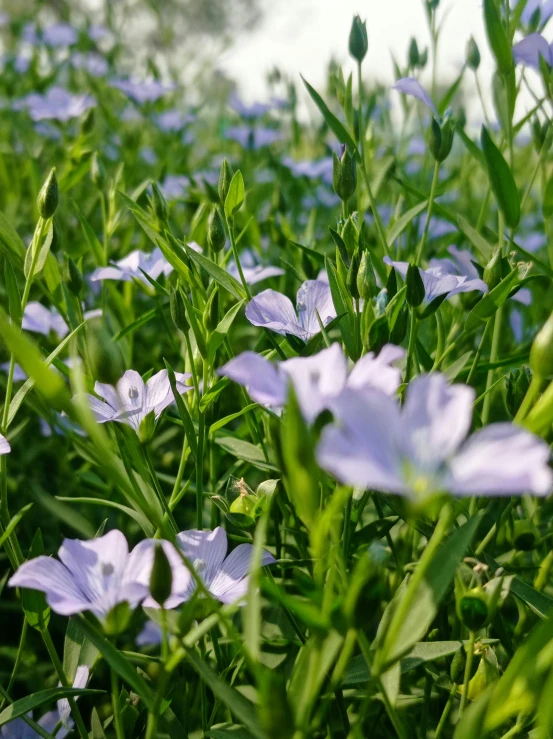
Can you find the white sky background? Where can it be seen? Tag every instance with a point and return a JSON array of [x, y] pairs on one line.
[[300, 36]]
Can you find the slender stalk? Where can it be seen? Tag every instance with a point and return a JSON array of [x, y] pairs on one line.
[[117, 717], [479, 351], [411, 349], [429, 210], [528, 400], [468, 670], [445, 713]]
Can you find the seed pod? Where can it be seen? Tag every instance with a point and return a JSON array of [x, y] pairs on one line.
[[473, 609], [225, 176], [440, 140], [414, 55], [524, 536], [358, 39], [366, 280], [415, 286], [159, 204], [48, 197], [106, 359], [216, 236], [472, 54], [98, 171], [541, 353], [161, 577], [244, 504], [344, 174], [178, 310]]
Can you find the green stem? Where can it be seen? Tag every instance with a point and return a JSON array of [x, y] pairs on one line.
[[117, 717], [494, 355], [429, 210], [479, 351], [529, 398], [447, 710], [468, 670], [411, 349]]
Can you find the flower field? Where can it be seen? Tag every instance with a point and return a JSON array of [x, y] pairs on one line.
[[276, 391]]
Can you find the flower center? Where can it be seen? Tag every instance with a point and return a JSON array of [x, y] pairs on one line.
[[133, 393], [107, 569], [199, 566]]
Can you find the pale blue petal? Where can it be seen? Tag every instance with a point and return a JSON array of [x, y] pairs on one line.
[[412, 87]]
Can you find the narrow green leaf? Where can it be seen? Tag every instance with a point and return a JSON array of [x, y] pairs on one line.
[[221, 276], [30, 702], [235, 195], [245, 451], [222, 329], [37, 611], [497, 37], [343, 135], [401, 224], [490, 302], [501, 180], [183, 413]]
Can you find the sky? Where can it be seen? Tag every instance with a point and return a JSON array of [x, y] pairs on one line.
[[299, 36]]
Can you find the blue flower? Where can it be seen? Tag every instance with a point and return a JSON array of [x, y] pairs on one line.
[[142, 92], [528, 51]]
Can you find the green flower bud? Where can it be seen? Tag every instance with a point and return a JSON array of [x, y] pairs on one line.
[[106, 359], [178, 310], [211, 312], [472, 54], [98, 171], [351, 280], [159, 204], [473, 609], [358, 39], [517, 384], [423, 58], [350, 237], [73, 277], [414, 56], [366, 279], [441, 138], [161, 577], [225, 177], [379, 334], [493, 271], [344, 174], [48, 197], [216, 236], [541, 353], [415, 286], [524, 536], [399, 331]]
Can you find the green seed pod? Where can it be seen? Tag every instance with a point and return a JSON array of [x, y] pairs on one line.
[[414, 55], [225, 176], [344, 174], [473, 609], [106, 359], [351, 280], [159, 204], [423, 59], [440, 139], [366, 279], [524, 536], [216, 236], [517, 384], [161, 577], [48, 197], [98, 171], [73, 277], [178, 310], [415, 286], [350, 237], [358, 39], [472, 54], [244, 504], [541, 353]]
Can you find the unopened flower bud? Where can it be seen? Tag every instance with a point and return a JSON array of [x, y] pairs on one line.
[[98, 171], [344, 174], [216, 236], [358, 39], [493, 270], [423, 58], [48, 197], [414, 56], [541, 353], [106, 359], [161, 577], [517, 384], [225, 176], [415, 286], [473, 609], [351, 280], [159, 204], [441, 138], [366, 280], [73, 277], [178, 310], [211, 312], [472, 54]]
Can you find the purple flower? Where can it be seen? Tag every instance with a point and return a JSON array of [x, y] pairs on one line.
[[41, 320], [153, 264], [544, 7], [142, 92], [313, 170], [141, 563], [18, 373], [252, 271], [175, 186], [173, 120], [91, 576], [19, 729], [318, 381], [253, 138], [438, 281], [93, 64], [255, 110], [64, 709], [60, 34], [459, 263], [528, 51], [275, 311], [151, 635], [131, 400], [5, 447], [412, 87], [226, 578], [420, 449], [57, 104]]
